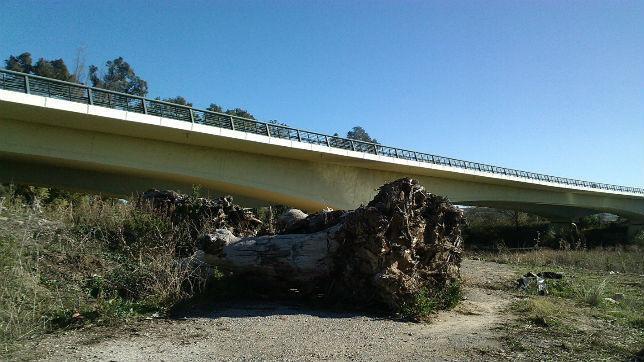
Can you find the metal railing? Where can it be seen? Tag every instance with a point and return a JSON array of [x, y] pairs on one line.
[[31, 84]]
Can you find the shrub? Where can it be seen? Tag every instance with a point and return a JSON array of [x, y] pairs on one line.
[[425, 302]]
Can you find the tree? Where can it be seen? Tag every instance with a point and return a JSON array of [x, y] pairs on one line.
[[119, 77], [21, 63], [79, 65], [358, 133], [213, 107], [56, 69], [240, 112], [178, 100], [53, 69]]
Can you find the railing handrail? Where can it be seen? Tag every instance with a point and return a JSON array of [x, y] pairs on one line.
[[373, 148]]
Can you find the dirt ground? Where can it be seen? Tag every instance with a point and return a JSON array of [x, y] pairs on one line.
[[264, 331]]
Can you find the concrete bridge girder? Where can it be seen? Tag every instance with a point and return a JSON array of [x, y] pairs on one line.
[[115, 153]]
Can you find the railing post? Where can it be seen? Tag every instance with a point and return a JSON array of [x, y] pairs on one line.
[[415, 156], [90, 97], [299, 138], [353, 146], [268, 130], [375, 149], [27, 89], [192, 116], [232, 123], [145, 106], [328, 144]]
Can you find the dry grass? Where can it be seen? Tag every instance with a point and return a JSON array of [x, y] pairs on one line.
[[99, 262], [614, 259], [576, 321]]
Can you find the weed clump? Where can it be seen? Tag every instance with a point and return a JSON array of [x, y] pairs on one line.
[[424, 303]]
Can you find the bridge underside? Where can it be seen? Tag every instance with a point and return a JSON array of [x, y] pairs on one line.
[[22, 170], [101, 154]]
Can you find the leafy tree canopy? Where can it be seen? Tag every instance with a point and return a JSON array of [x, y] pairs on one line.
[[120, 77], [358, 133], [215, 108], [178, 100], [240, 112], [56, 68], [21, 63]]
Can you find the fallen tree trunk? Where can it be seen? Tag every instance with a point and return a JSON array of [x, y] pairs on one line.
[[404, 242], [294, 260]]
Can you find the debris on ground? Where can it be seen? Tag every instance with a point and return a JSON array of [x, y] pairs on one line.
[[220, 213], [527, 279]]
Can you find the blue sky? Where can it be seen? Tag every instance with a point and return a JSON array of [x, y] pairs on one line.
[[548, 86]]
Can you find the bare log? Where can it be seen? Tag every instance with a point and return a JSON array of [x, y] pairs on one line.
[[296, 259]]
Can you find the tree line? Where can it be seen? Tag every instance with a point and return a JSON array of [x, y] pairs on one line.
[[119, 76]]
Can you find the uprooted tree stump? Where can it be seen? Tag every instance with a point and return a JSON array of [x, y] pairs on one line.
[[405, 242]]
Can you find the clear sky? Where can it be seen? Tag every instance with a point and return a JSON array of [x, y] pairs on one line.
[[548, 86]]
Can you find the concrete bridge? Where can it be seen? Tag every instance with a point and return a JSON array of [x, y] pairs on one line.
[[67, 135]]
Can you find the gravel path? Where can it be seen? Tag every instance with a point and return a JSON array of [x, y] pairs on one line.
[[279, 332]]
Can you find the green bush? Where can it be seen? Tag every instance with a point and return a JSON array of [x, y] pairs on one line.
[[427, 301]]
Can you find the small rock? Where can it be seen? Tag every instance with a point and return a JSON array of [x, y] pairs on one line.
[[289, 218]]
